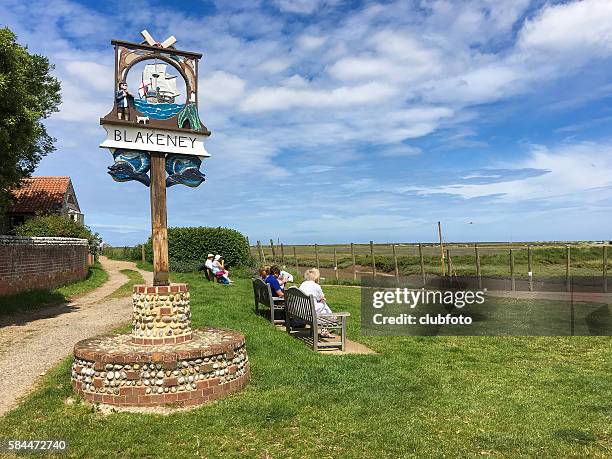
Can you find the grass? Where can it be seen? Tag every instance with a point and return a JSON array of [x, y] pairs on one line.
[[417, 397], [126, 289], [38, 298]]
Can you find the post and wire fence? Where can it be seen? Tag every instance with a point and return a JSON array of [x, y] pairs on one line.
[[520, 266]]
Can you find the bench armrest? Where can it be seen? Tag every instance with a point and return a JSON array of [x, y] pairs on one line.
[[335, 314]]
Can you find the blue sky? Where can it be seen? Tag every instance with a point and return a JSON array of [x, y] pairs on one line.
[[338, 121]]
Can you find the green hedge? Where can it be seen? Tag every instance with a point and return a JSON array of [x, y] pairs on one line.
[[189, 246]]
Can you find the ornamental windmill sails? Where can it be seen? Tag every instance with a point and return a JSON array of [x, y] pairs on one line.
[[157, 85]]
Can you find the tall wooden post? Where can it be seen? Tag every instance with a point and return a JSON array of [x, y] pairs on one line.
[[262, 256], [297, 264], [335, 264], [530, 267], [512, 280], [372, 255], [478, 272], [282, 253], [441, 249], [159, 219], [567, 268], [353, 260], [273, 251], [422, 261], [317, 254], [605, 268], [395, 262]]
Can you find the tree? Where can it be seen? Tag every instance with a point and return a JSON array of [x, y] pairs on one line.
[[28, 94], [58, 226]]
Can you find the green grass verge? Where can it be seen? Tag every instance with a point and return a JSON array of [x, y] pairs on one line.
[[417, 397], [126, 289], [36, 299]]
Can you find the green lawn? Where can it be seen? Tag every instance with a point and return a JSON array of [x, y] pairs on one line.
[[419, 397], [126, 289], [36, 299]]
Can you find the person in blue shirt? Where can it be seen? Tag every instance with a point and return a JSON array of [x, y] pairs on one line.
[[275, 285]]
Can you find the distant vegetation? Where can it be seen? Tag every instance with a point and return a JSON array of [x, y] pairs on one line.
[[58, 226], [188, 248]]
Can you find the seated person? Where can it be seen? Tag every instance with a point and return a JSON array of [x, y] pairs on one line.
[[219, 270], [284, 278], [311, 287], [263, 272], [272, 279], [209, 261]]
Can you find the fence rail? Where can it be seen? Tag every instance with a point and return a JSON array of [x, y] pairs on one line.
[[520, 262]]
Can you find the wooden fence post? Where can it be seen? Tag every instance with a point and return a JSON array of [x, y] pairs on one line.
[[567, 268], [317, 254], [262, 256], [441, 249], [282, 254], [422, 261], [273, 251], [530, 267], [478, 271], [605, 268], [335, 264], [512, 280], [372, 255], [449, 264], [395, 262], [297, 264], [353, 260]]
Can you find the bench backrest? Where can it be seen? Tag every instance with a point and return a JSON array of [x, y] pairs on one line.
[[263, 293], [298, 304]]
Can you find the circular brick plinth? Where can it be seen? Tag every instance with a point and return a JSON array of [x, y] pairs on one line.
[[111, 369]]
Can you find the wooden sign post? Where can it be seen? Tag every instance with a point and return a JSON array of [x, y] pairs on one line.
[[159, 220], [154, 129]]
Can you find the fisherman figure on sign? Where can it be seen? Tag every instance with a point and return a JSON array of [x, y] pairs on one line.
[[123, 102]]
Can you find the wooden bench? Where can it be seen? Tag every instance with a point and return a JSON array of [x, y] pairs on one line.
[[300, 306], [209, 275], [263, 295]]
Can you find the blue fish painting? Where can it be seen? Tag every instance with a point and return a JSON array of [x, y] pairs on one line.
[[184, 170], [130, 165]]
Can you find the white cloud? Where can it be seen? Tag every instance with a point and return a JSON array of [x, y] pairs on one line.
[[281, 98], [570, 173], [91, 74], [298, 6], [577, 28], [399, 150], [274, 65], [310, 42], [221, 88]]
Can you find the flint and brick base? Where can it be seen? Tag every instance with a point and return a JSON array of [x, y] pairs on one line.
[[161, 314], [113, 370]]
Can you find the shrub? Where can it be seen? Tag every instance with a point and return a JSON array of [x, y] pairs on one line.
[[127, 253], [58, 226], [189, 246]]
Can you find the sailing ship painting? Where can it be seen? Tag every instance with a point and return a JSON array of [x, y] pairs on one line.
[[158, 93]]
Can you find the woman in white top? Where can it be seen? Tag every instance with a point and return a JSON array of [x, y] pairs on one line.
[[311, 287]]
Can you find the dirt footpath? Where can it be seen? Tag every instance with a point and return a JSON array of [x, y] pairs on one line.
[[32, 343]]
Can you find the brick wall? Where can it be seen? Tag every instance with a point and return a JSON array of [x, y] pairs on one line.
[[40, 262]]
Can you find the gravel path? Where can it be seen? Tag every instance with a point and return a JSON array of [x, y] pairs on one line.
[[32, 343]]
